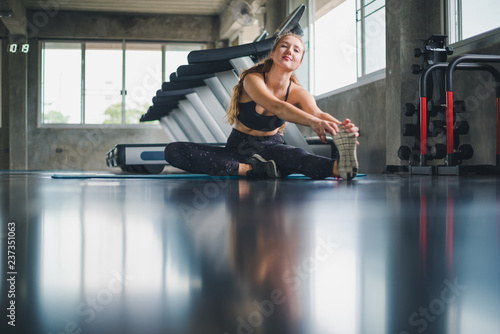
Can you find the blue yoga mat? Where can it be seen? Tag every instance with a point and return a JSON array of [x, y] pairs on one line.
[[156, 176], [133, 176]]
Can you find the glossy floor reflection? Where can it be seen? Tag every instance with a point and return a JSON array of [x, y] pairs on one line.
[[382, 254]]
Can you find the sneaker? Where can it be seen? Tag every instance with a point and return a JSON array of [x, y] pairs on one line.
[[262, 167], [347, 161]]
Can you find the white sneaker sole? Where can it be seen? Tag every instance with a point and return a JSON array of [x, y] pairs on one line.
[[346, 146]]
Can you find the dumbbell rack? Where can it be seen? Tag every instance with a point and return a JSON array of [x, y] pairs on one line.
[[435, 64], [453, 166], [434, 52]]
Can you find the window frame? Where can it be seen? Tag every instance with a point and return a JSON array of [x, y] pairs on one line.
[[454, 26], [151, 125], [361, 36], [361, 77]]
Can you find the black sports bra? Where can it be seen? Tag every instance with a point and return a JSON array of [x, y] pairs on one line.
[[253, 120]]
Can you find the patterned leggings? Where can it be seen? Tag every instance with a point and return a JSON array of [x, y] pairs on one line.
[[215, 160]]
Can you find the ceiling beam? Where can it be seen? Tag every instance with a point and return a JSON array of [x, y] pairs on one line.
[[181, 7], [13, 16]]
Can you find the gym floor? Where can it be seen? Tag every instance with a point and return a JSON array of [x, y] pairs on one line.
[[381, 254]]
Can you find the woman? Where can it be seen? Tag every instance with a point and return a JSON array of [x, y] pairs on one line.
[[267, 96]]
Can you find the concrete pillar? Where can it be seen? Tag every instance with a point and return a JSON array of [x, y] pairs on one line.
[[275, 14], [407, 23], [17, 70], [4, 128]]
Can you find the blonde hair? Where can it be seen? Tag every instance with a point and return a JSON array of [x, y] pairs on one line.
[[261, 67]]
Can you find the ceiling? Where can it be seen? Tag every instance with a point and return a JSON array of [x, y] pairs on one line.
[[188, 7]]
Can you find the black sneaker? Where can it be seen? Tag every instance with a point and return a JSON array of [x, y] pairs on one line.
[[347, 161], [262, 167]]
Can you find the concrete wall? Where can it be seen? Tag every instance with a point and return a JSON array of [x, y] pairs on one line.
[[143, 27], [4, 133]]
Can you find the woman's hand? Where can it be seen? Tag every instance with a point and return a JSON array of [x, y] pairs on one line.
[[350, 127], [322, 127]]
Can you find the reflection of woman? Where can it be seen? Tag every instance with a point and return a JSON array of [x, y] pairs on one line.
[[267, 96], [263, 249]]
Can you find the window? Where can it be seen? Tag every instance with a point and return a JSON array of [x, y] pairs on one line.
[[104, 82], [469, 18], [142, 78], [176, 55], [61, 90], [335, 48], [349, 42], [370, 20]]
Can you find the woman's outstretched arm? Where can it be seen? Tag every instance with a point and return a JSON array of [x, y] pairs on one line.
[[307, 103]]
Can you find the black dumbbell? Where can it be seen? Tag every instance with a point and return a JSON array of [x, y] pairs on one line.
[[461, 127], [416, 69], [436, 127], [404, 153], [465, 152], [438, 151], [415, 157], [434, 108], [409, 109], [417, 52]]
